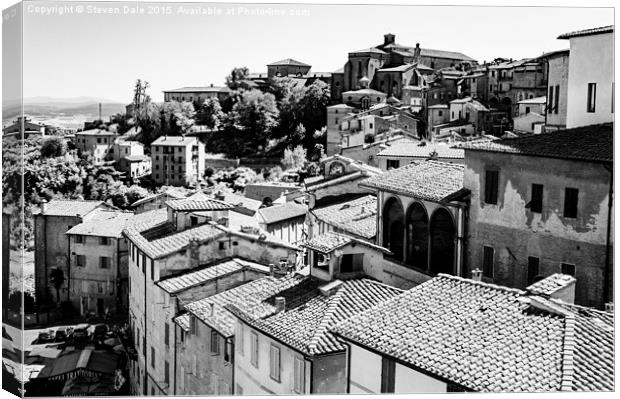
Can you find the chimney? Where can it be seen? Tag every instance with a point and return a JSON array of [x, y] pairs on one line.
[[476, 274], [330, 288], [212, 309], [280, 304], [219, 195], [194, 252], [363, 210], [211, 84], [388, 38], [271, 269], [43, 206], [557, 286], [417, 53], [609, 307]]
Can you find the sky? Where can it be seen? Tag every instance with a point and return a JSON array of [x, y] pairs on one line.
[[100, 52]]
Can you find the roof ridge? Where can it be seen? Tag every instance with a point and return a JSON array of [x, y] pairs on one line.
[[325, 323], [568, 354]]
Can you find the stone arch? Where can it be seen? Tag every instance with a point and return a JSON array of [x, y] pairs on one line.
[[417, 236], [443, 234], [393, 227]]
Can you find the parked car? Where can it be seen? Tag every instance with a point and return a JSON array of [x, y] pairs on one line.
[[97, 332]]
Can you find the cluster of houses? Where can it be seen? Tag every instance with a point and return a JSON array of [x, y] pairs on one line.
[[406, 266]]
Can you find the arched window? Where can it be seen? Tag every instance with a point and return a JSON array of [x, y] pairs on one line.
[[417, 236], [443, 234], [393, 228]]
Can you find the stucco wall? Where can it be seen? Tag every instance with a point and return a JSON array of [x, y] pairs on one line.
[[558, 76], [516, 233], [591, 61]]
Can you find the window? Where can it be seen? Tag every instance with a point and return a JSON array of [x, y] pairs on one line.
[[166, 334], [215, 343], [166, 372], [80, 260], [222, 245], [556, 105], [440, 113], [193, 220], [274, 363], [228, 349], [100, 287], [351, 263], [299, 375], [488, 261], [491, 183], [387, 375], [571, 199], [79, 239], [152, 357], [569, 269], [104, 262], [591, 97], [393, 164], [536, 201], [527, 110], [532, 269], [254, 349], [152, 269], [144, 264]]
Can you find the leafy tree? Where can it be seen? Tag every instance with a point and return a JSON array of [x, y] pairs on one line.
[[210, 113], [135, 193], [294, 159], [53, 147], [251, 121], [57, 278], [238, 78]]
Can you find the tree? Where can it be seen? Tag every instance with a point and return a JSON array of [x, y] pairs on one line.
[[135, 193], [238, 78], [252, 120], [294, 159], [53, 147], [210, 114], [57, 278]]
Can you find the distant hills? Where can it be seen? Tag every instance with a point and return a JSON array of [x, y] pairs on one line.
[[63, 112]]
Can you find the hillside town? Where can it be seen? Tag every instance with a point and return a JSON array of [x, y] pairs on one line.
[[416, 221]]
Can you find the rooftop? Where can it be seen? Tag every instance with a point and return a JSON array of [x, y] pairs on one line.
[[327, 242], [137, 158], [593, 143], [103, 223], [198, 202], [535, 100], [357, 217], [304, 323], [427, 52], [278, 213], [195, 277], [587, 32], [70, 207], [200, 89], [175, 141], [364, 91], [426, 180], [288, 61], [415, 149], [96, 132], [551, 284], [490, 338]]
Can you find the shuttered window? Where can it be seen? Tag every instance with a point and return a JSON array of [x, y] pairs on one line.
[[274, 363], [533, 264], [300, 375], [254, 349], [388, 368], [571, 200], [488, 261], [491, 186], [536, 202]]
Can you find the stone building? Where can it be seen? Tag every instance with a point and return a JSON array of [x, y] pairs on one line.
[[170, 241], [177, 160], [453, 334], [542, 205], [98, 142], [284, 221], [421, 219], [98, 263], [590, 76], [283, 346], [287, 67], [530, 115], [197, 94], [52, 244], [557, 89]]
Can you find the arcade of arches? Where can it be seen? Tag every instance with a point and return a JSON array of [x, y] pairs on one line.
[[417, 240]]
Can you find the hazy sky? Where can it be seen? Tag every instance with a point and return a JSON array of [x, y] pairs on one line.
[[83, 53]]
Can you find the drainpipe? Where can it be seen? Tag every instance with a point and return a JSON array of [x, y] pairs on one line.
[[607, 291]]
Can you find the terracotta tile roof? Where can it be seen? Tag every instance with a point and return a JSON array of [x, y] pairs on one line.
[[551, 284], [278, 213], [593, 143], [182, 321], [192, 278], [195, 203], [70, 207], [103, 223], [309, 314], [357, 217], [157, 238], [428, 180], [369, 50], [242, 201], [490, 338], [175, 141], [246, 295], [137, 158], [327, 242], [96, 132], [288, 61], [587, 32], [414, 149]]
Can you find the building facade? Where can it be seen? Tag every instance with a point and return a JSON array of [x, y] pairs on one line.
[[557, 90], [177, 160]]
